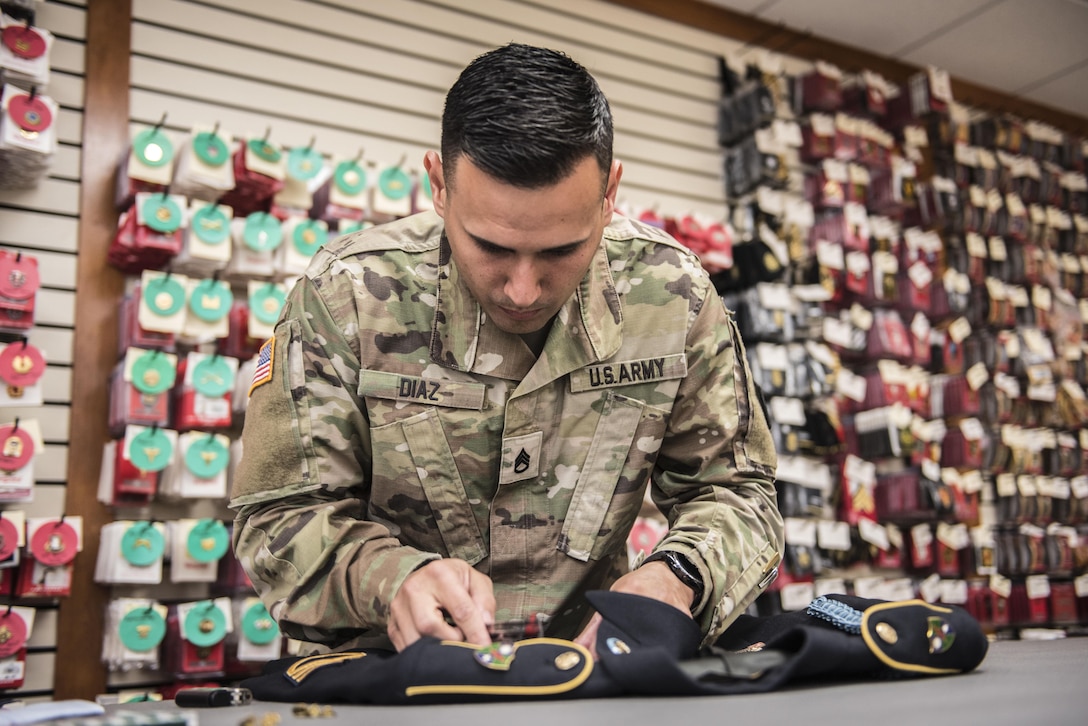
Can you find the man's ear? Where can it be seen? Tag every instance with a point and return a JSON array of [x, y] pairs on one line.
[[611, 188], [433, 164]]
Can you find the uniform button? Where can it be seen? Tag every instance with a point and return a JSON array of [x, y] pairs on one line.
[[567, 660]]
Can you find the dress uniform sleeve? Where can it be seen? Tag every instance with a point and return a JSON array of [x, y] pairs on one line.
[[301, 488], [714, 478]]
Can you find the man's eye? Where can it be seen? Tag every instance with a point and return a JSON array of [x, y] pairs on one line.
[[562, 251], [490, 249]]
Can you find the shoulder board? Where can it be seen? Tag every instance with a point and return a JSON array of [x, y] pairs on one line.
[[417, 233]]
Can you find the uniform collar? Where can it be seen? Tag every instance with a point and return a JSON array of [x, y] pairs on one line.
[[587, 329]]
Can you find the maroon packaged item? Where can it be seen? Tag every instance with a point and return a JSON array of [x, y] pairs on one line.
[[821, 88]]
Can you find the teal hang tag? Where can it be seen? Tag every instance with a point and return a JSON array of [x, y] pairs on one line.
[[206, 457], [142, 630], [350, 177], [153, 147], [210, 149], [394, 183], [210, 300], [262, 232], [308, 237], [213, 377], [211, 224], [150, 450], [266, 302], [164, 296], [205, 625], [264, 150], [208, 541], [152, 373], [142, 545], [258, 627], [161, 213], [304, 163]]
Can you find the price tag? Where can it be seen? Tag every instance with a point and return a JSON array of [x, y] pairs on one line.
[[977, 376], [930, 588], [833, 535], [954, 592], [797, 595], [1037, 586], [959, 330], [873, 533]]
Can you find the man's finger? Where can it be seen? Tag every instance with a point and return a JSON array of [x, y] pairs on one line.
[[588, 637]]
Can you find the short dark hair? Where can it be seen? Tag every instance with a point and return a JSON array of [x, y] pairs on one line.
[[526, 116]]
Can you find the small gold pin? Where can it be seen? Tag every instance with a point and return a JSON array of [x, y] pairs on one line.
[[887, 633], [567, 660], [617, 646]]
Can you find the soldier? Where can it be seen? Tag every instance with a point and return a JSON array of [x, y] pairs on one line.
[[457, 419]]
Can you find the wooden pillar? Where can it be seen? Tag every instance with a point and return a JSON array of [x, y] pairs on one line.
[[79, 672]]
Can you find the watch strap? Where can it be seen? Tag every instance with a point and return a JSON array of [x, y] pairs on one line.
[[684, 571]]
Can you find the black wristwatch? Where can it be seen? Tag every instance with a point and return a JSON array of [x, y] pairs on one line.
[[684, 571]]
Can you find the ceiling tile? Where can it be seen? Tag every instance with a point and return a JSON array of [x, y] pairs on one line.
[[1011, 45], [1065, 93], [880, 27]]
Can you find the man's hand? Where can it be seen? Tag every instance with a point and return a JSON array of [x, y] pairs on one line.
[[439, 589], [654, 579]]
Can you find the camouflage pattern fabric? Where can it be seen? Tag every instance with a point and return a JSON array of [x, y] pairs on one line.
[[399, 425]]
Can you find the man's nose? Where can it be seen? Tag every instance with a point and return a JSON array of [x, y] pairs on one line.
[[522, 284]]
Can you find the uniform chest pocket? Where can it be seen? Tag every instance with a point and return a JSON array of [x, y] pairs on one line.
[[610, 488], [416, 486]]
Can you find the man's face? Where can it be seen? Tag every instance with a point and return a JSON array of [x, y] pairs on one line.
[[522, 252]]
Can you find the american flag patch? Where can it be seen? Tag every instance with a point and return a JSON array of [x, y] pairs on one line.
[[263, 372]]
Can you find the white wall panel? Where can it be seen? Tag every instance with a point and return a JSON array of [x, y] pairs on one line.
[[373, 75], [43, 222]]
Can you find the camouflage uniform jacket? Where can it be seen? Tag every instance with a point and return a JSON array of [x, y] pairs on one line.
[[397, 425]]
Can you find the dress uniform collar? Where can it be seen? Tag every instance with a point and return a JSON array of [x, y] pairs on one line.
[[587, 329]]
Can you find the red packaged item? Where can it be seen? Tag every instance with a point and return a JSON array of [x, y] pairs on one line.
[[204, 393], [195, 638], [965, 445], [19, 283], [821, 88], [15, 625], [259, 173], [149, 234], [132, 334], [819, 138], [866, 95], [239, 343], [140, 389], [52, 546]]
